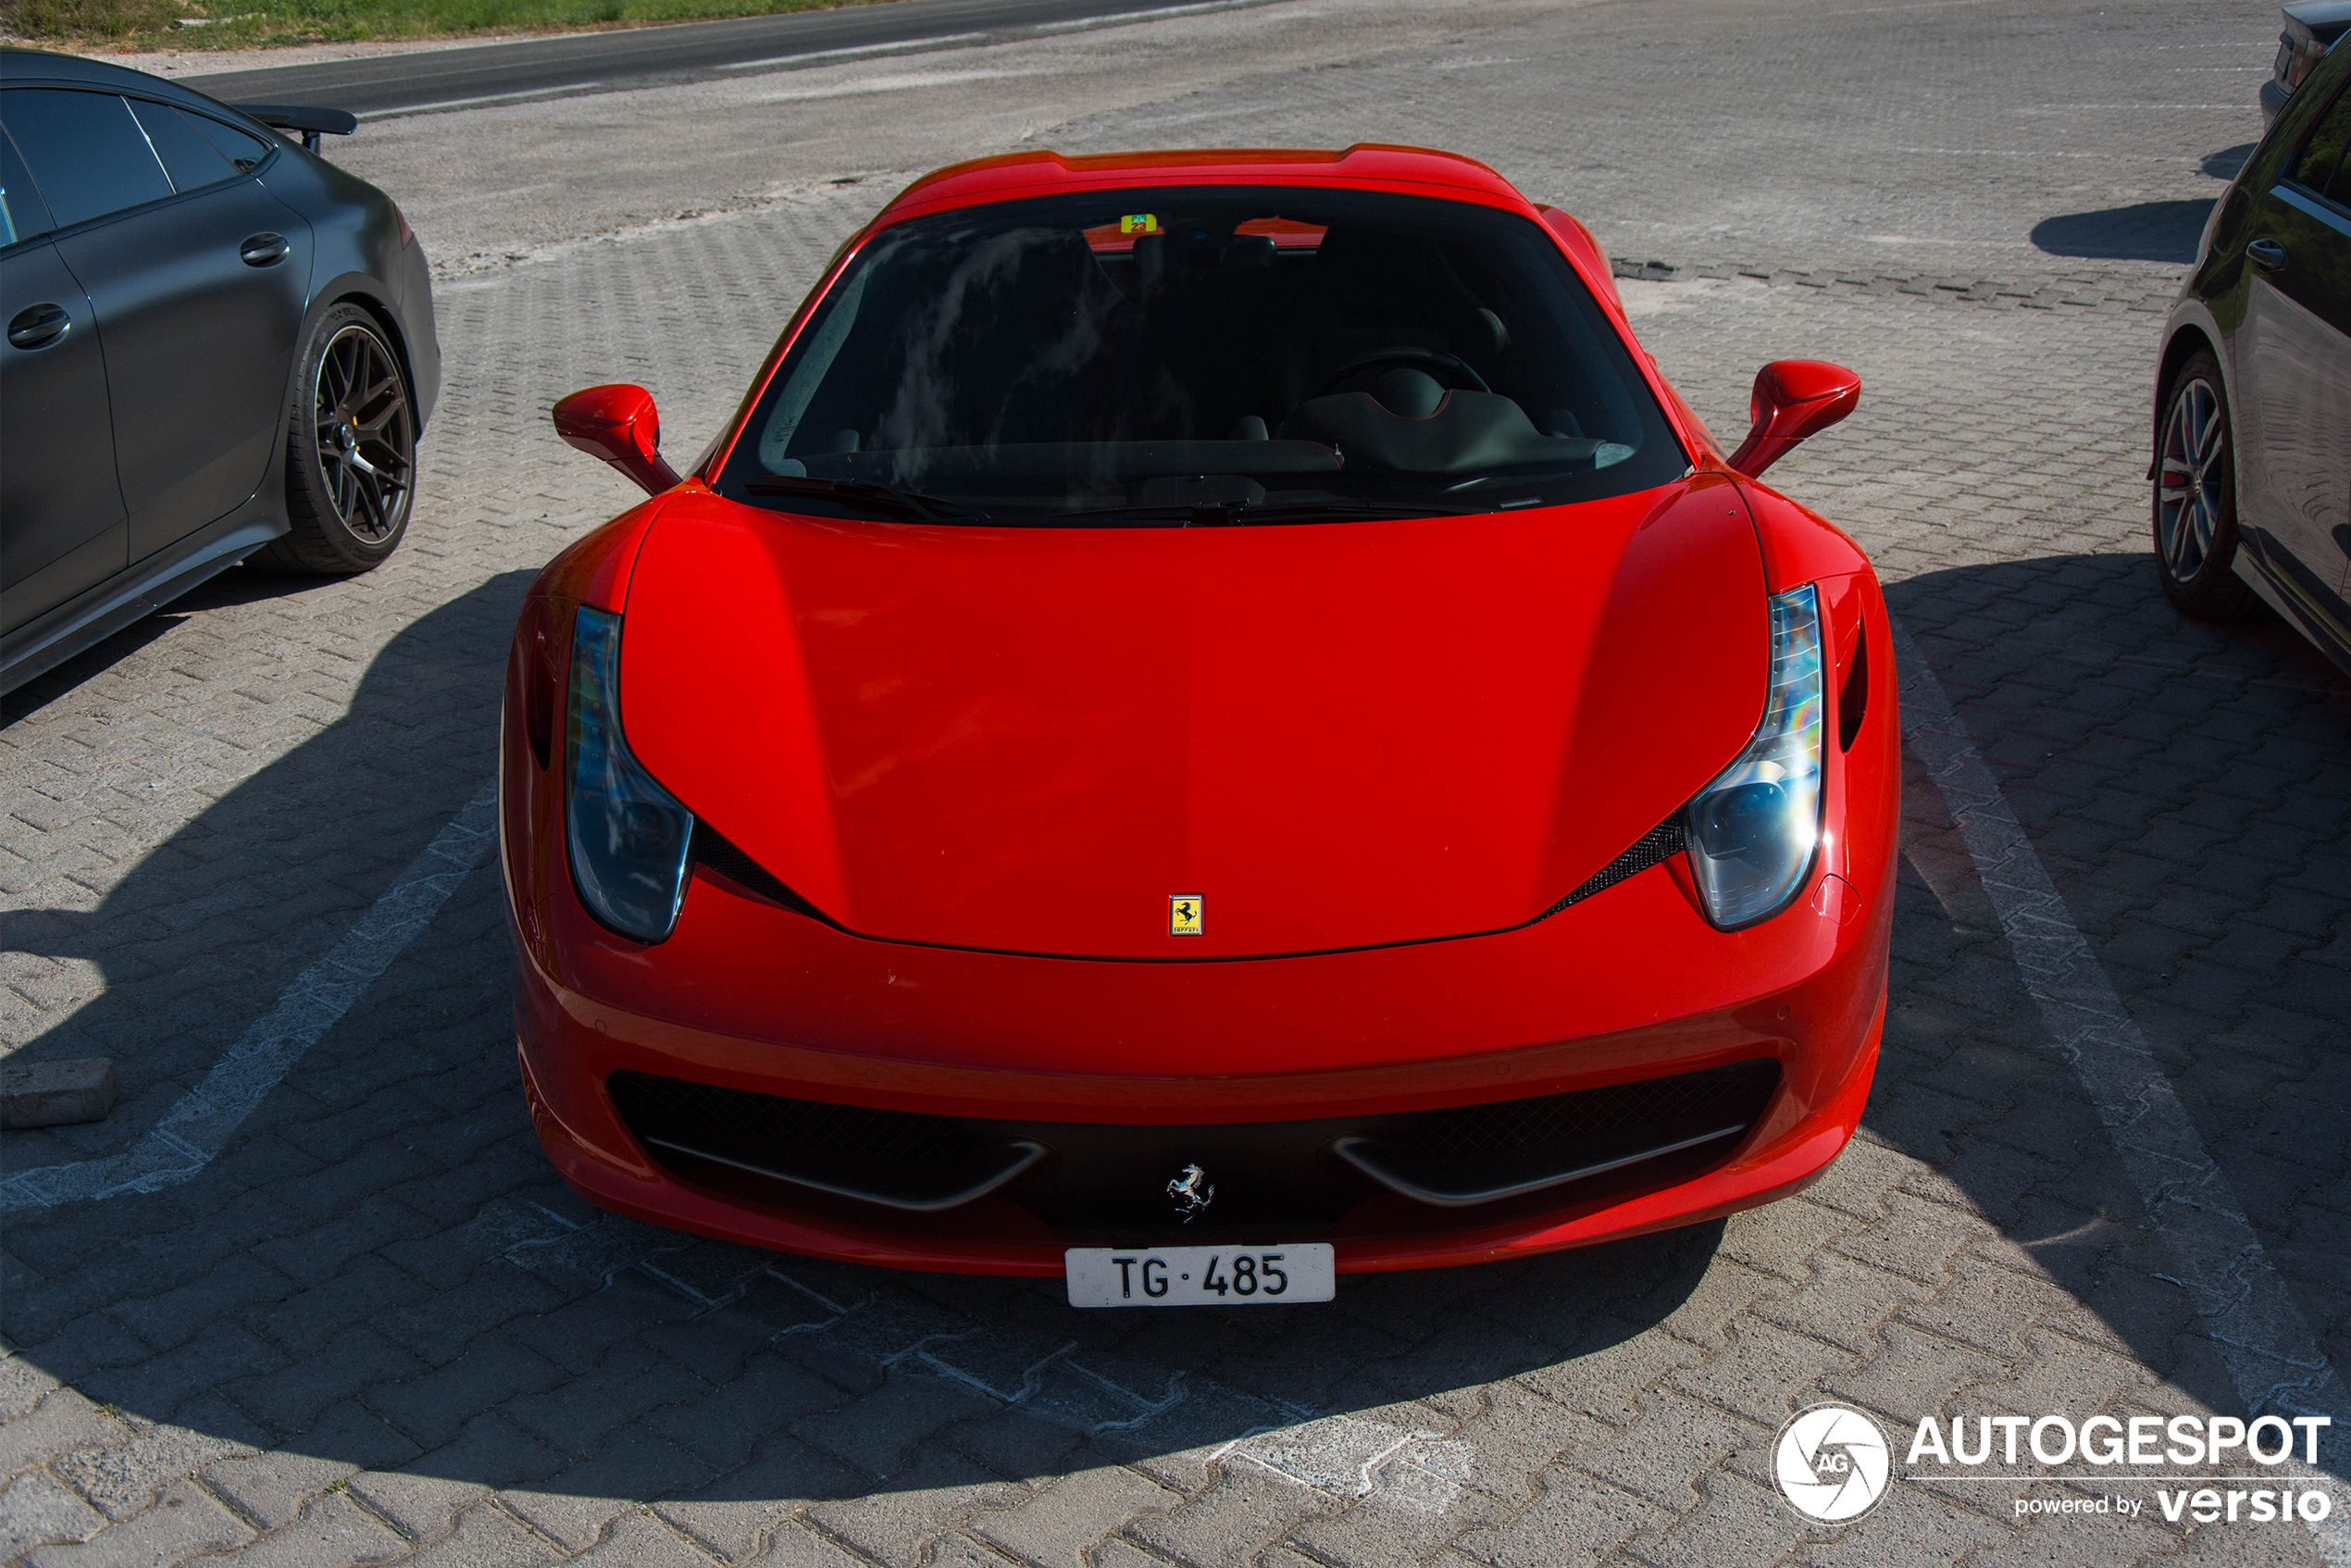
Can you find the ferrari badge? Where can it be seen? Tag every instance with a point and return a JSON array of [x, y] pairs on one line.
[[1183, 915], [1192, 1194]]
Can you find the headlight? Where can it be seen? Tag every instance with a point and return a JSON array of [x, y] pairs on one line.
[[628, 837], [1753, 830]]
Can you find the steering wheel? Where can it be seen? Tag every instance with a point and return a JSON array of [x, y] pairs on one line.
[[1411, 358]]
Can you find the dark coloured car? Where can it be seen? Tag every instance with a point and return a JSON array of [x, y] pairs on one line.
[[2252, 469], [2312, 28], [219, 346]]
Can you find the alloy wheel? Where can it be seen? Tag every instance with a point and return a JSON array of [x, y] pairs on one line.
[[366, 434], [2191, 489]]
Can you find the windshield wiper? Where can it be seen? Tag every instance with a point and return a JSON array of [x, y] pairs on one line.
[[1242, 515], [1342, 511], [905, 506]]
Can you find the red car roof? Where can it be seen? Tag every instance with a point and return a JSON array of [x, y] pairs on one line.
[[1365, 164]]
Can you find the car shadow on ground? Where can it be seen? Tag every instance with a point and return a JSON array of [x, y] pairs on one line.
[[2165, 232], [2182, 785], [2224, 164], [379, 1270]]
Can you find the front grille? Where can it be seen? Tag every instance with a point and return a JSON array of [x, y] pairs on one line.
[[1630, 1115], [898, 1158], [1474, 1154], [1111, 1178]]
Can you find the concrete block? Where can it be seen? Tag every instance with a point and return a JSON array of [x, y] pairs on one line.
[[55, 1095]]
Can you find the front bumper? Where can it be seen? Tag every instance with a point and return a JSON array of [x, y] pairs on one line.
[[1033, 1042], [1221, 1060]]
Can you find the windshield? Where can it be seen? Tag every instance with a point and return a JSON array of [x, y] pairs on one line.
[[1180, 355]]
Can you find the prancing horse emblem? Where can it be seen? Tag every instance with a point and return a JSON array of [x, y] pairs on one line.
[[1192, 1192]]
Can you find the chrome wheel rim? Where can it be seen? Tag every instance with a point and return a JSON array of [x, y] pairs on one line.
[[2190, 488], [366, 440]]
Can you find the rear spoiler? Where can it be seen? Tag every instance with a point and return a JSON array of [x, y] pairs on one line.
[[310, 122]]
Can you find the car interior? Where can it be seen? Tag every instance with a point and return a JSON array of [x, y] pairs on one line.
[[1224, 353]]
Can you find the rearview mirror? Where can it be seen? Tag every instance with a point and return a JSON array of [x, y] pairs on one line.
[[1794, 398], [619, 424]]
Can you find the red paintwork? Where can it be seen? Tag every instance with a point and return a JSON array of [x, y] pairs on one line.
[[993, 754], [1794, 398], [1024, 739], [618, 424], [1591, 262]]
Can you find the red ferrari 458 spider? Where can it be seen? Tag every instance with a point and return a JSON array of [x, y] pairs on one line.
[[1212, 722]]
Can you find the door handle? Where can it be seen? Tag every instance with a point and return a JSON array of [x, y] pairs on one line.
[[38, 326], [263, 250], [2267, 255]]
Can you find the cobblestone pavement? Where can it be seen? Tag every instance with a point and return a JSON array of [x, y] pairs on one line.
[[376, 1328]]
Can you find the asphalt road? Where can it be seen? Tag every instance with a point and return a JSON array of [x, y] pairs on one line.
[[580, 63]]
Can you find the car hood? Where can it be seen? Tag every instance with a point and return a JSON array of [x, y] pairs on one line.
[[1333, 736]]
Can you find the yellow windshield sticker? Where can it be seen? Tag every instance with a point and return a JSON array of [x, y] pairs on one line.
[[1137, 223]]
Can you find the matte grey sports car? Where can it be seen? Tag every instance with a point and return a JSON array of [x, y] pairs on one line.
[[217, 346]]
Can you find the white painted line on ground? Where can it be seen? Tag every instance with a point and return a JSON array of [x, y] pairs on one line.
[[476, 103], [200, 1122], [909, 46], [2048, 152], [2248, 1314], [1084, 24], [895, 81]]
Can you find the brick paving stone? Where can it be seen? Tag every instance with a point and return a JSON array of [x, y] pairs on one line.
[[1573, 1523], [1242, 1512], [733, 1513], [1059, 1526], [186, 1522], [333, 1528], [125, 1479], [486, 1538], [638, 1540], [575, 1504], [894, 1526], [35, 1509]]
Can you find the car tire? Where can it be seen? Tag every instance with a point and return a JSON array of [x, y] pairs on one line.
[[351, 451], [2196, 500]]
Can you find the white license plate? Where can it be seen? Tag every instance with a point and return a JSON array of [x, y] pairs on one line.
[[1201, 1276]]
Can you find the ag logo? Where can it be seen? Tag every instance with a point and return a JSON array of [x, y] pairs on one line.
[[1183, 915], [1831, 1464]]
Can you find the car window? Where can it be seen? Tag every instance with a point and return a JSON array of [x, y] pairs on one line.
[[187, 157], [85, 150], [22, 212], [1143, 356], [240, 147], [2320, 160]]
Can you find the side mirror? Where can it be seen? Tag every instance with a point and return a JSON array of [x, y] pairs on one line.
[[1794, 398], [619, 424]]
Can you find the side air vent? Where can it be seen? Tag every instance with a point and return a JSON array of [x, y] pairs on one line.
[[713, 849], [1661, 843], [1853, 697]]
